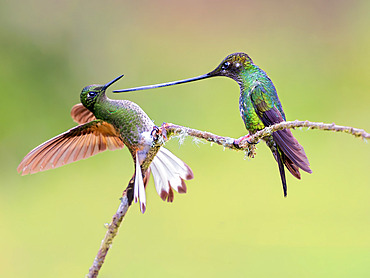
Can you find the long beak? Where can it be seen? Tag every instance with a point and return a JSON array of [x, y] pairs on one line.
[[111, 82], [164, 84]]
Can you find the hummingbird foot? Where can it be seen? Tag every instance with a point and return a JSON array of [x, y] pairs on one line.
[[155, 133], [239, 143], [159, 135], [158, 138], [163, 131]]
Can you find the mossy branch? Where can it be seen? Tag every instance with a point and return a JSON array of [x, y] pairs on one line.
[[246, 143]]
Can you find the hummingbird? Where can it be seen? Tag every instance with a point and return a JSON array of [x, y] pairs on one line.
[[111, 124], [259, 107]]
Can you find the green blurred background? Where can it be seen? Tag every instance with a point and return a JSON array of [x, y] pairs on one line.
[[234, 221]]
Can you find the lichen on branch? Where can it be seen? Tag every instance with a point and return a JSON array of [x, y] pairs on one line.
[[247, 143]]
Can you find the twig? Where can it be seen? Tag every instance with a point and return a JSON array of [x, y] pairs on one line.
[[112, 231], [313, 125], [243, 143], [246, 143]]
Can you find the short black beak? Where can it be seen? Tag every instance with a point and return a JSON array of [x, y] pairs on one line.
[[165, 84], [111, 82]]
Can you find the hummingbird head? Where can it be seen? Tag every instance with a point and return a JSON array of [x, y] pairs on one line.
[[232, 65], [90, 94]]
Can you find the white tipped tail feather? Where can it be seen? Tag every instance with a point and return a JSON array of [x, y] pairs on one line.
[[169, 172], [139, 190]]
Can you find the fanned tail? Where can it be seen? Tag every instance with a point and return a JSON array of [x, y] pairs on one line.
[[169, 172]]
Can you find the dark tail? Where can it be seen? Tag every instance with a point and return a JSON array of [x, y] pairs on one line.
[[279, 158], [293, 156], [287, 151]]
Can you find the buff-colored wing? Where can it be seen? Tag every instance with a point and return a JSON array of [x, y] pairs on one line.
[[77, 143], [81, 115]]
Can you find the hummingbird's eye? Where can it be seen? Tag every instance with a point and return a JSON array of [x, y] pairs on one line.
[[91, 94], [225, 66]]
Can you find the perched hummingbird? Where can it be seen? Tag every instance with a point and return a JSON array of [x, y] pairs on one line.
[[110, 124], [259, 107]]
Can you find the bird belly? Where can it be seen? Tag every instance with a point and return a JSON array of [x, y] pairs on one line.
[[251, 120], [147, 150]]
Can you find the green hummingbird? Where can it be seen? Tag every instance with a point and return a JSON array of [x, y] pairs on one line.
[[259, 107], [110, 124]]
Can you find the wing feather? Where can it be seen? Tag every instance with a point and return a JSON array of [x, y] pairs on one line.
[[270, 115], [77, 143], [81, 115]]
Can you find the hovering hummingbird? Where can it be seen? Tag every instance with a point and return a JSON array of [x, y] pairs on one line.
[[259, 107], [110, 124]]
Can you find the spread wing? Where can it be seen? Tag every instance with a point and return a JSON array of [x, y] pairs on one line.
[[77, 143], [269, 115], [81, 115]]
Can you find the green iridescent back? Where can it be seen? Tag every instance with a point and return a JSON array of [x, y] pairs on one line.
[[127, 117], [252, 77]]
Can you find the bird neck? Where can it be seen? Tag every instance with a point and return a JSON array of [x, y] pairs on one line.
[[248, 76], [101, 99]]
